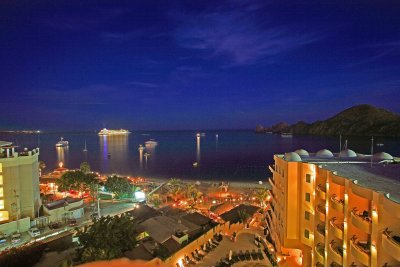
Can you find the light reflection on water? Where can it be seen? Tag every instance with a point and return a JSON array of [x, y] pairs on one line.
[[232, 155]]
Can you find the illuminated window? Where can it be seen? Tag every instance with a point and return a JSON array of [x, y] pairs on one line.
[[306, 234], [308, 197], [1, 204], [307, 215], [1, 192], [1, 179], [308, 178]]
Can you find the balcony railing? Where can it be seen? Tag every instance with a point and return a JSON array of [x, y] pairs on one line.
[[272, 168], [321, 191], [321, 229], [336, 253], [391, 244], [361, 220], [320, 252], [318, 264], [321, 212], [360, 250], [336, 203], [272, 181], [336, 228]]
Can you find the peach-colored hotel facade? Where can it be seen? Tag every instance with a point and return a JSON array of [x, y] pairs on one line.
[[339, 209]]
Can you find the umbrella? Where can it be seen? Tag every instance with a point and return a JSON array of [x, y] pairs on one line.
[[230, 255]]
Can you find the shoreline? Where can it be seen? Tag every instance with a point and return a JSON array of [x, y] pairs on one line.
[[234, 184]]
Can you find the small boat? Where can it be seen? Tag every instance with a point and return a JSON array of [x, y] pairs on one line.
[[195, 164], [198, 135], [151, 142], [202, 134], [85, 148], [62, 143], [379, 144], [286, 135], [109, 155]]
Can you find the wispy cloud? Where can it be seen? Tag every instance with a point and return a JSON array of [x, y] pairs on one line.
[[144, 84], [235, 35]]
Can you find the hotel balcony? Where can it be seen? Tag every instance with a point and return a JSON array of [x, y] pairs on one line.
[[337, 204], [361, 251], [336, 253], [321, 231], [321, 212], [320, 252], [361, 220], [272, 181], [321, 191], [391, 244], [318, 264], [272, 168], [336, 228], [335, 264]]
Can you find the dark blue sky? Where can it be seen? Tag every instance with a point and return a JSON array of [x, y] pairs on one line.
[[193, 64]]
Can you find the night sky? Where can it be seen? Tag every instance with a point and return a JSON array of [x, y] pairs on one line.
[[65, 65]]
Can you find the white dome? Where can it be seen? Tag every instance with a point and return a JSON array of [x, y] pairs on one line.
[[292, 156], [302, 152], [382, 156], [347, 153], [324, 153]]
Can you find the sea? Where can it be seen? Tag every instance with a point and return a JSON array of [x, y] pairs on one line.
[[224, 155]]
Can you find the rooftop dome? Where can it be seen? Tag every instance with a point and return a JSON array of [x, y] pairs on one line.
[[302, 152], [292, 156], [382, 156], [324, 153], [347, 153]]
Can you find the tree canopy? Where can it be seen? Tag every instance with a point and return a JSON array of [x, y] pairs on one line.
[[118, 185], [85, 167], [107, 238]]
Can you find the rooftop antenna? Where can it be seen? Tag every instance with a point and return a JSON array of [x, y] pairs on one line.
[[340, 145], [372, 148]]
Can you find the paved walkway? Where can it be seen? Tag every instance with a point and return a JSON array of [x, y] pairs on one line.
[[244, 241]]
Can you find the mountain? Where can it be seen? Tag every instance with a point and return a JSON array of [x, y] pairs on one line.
[[363, 120]]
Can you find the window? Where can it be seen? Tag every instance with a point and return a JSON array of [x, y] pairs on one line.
[[306, 234], [1, 204], [308, 197], [307, 215], [1, 179], [308, 178]]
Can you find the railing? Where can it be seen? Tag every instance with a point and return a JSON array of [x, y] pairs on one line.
[[337, 253], [272, 168], [319, 248], [391, 244], [361, 220], [337, 204], [337, 228], [360, 250], [321, 229], [321, 191], [321, 209]]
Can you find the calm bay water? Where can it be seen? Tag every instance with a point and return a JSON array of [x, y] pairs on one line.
[[233, 155]]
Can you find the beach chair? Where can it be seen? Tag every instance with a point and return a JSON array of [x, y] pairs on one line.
[[247, 255], [260, 254], [235, 256], [195, 256], [254, 255], [200, 253]]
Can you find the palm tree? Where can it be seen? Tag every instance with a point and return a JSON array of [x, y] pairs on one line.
[[191, 191], [262, 195], [243, 216], [174, 188]]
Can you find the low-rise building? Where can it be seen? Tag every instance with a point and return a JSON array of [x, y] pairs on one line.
[[64, 209]]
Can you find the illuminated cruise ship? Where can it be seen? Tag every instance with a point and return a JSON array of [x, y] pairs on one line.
[[113, 132]]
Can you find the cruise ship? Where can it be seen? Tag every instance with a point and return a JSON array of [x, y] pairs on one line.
[[113, 132], [62, 143]]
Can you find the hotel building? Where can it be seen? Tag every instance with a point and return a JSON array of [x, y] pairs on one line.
[[19, 187], [335, 209]]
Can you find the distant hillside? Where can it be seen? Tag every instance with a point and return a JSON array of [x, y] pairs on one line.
[[363, 120]]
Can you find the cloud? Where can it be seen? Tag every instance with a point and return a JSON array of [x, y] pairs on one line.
[[144, 84], [236, 35]]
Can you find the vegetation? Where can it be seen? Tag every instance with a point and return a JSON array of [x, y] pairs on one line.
[[362, 120], [262, 195], [85, 167], [107, 238], [243, 216], [79, 181], [191, 191], [174, 188], [23, 256], [117, 185]]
